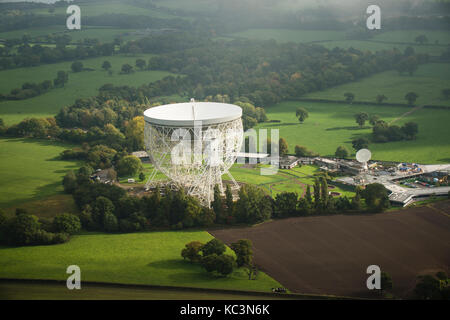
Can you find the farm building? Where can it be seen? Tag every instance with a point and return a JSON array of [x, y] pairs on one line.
[[327, 164], [306, 160], [288, 162]]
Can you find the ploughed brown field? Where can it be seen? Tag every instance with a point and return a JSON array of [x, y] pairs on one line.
[[330, 254]]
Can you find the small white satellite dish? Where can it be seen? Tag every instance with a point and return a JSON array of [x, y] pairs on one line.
[[363, 155]]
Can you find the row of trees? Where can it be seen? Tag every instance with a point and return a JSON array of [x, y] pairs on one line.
[[24, 229], [26, 55], [109, 208]]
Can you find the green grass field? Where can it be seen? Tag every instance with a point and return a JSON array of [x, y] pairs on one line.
[[332, 39], [108, 7], [137, 258], [47, 207], [330, 125], [81, 85], [409, 36], [20, 290], [293, 180], [197, 6], [30, 170], [287, 35], [104, 34], [428, 82]]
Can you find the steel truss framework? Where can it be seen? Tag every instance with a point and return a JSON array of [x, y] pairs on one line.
[[194, 158]]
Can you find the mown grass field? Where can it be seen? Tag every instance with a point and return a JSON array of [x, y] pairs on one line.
[[428, 82], [138, 258], [30, 170], [293, 180], [19, 290], [330, 125], [81, 85]]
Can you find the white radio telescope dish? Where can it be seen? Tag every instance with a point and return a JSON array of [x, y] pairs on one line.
[[363, 155]]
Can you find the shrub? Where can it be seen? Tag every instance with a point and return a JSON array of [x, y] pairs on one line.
[[110, 222], [192, 251], [214, 246], [67, 223], [222, 264]]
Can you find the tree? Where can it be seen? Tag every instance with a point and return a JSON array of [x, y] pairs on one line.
[[61, 79], [253, 205], [361, 118], [217, 205], [101, 207], [67, 223], [70, 182], [381, 98], [192, 251], [77, 66], [214, 246], [128, 166], [285, 204], [301, 114], [323, 191], [356, 200], [229, 201], [341, 152], [141, 176], [316, 193], [373, 119], [376, 197], [283, 147], [110, 223], [106, 65], [127, 69], [411, 97], [446, 93], [410, 129], [386, 282], [301, 151], [428, 288], [22, 229], [140, 63], [421, 39], [360, 143], [308, 196], [251, 270], [243, 250], [222, 264], [349, 97]]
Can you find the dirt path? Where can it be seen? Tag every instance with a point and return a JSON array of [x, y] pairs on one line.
[[406, 114]]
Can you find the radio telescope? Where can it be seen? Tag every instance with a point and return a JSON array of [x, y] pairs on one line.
[[194, 144], [363, 156]]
